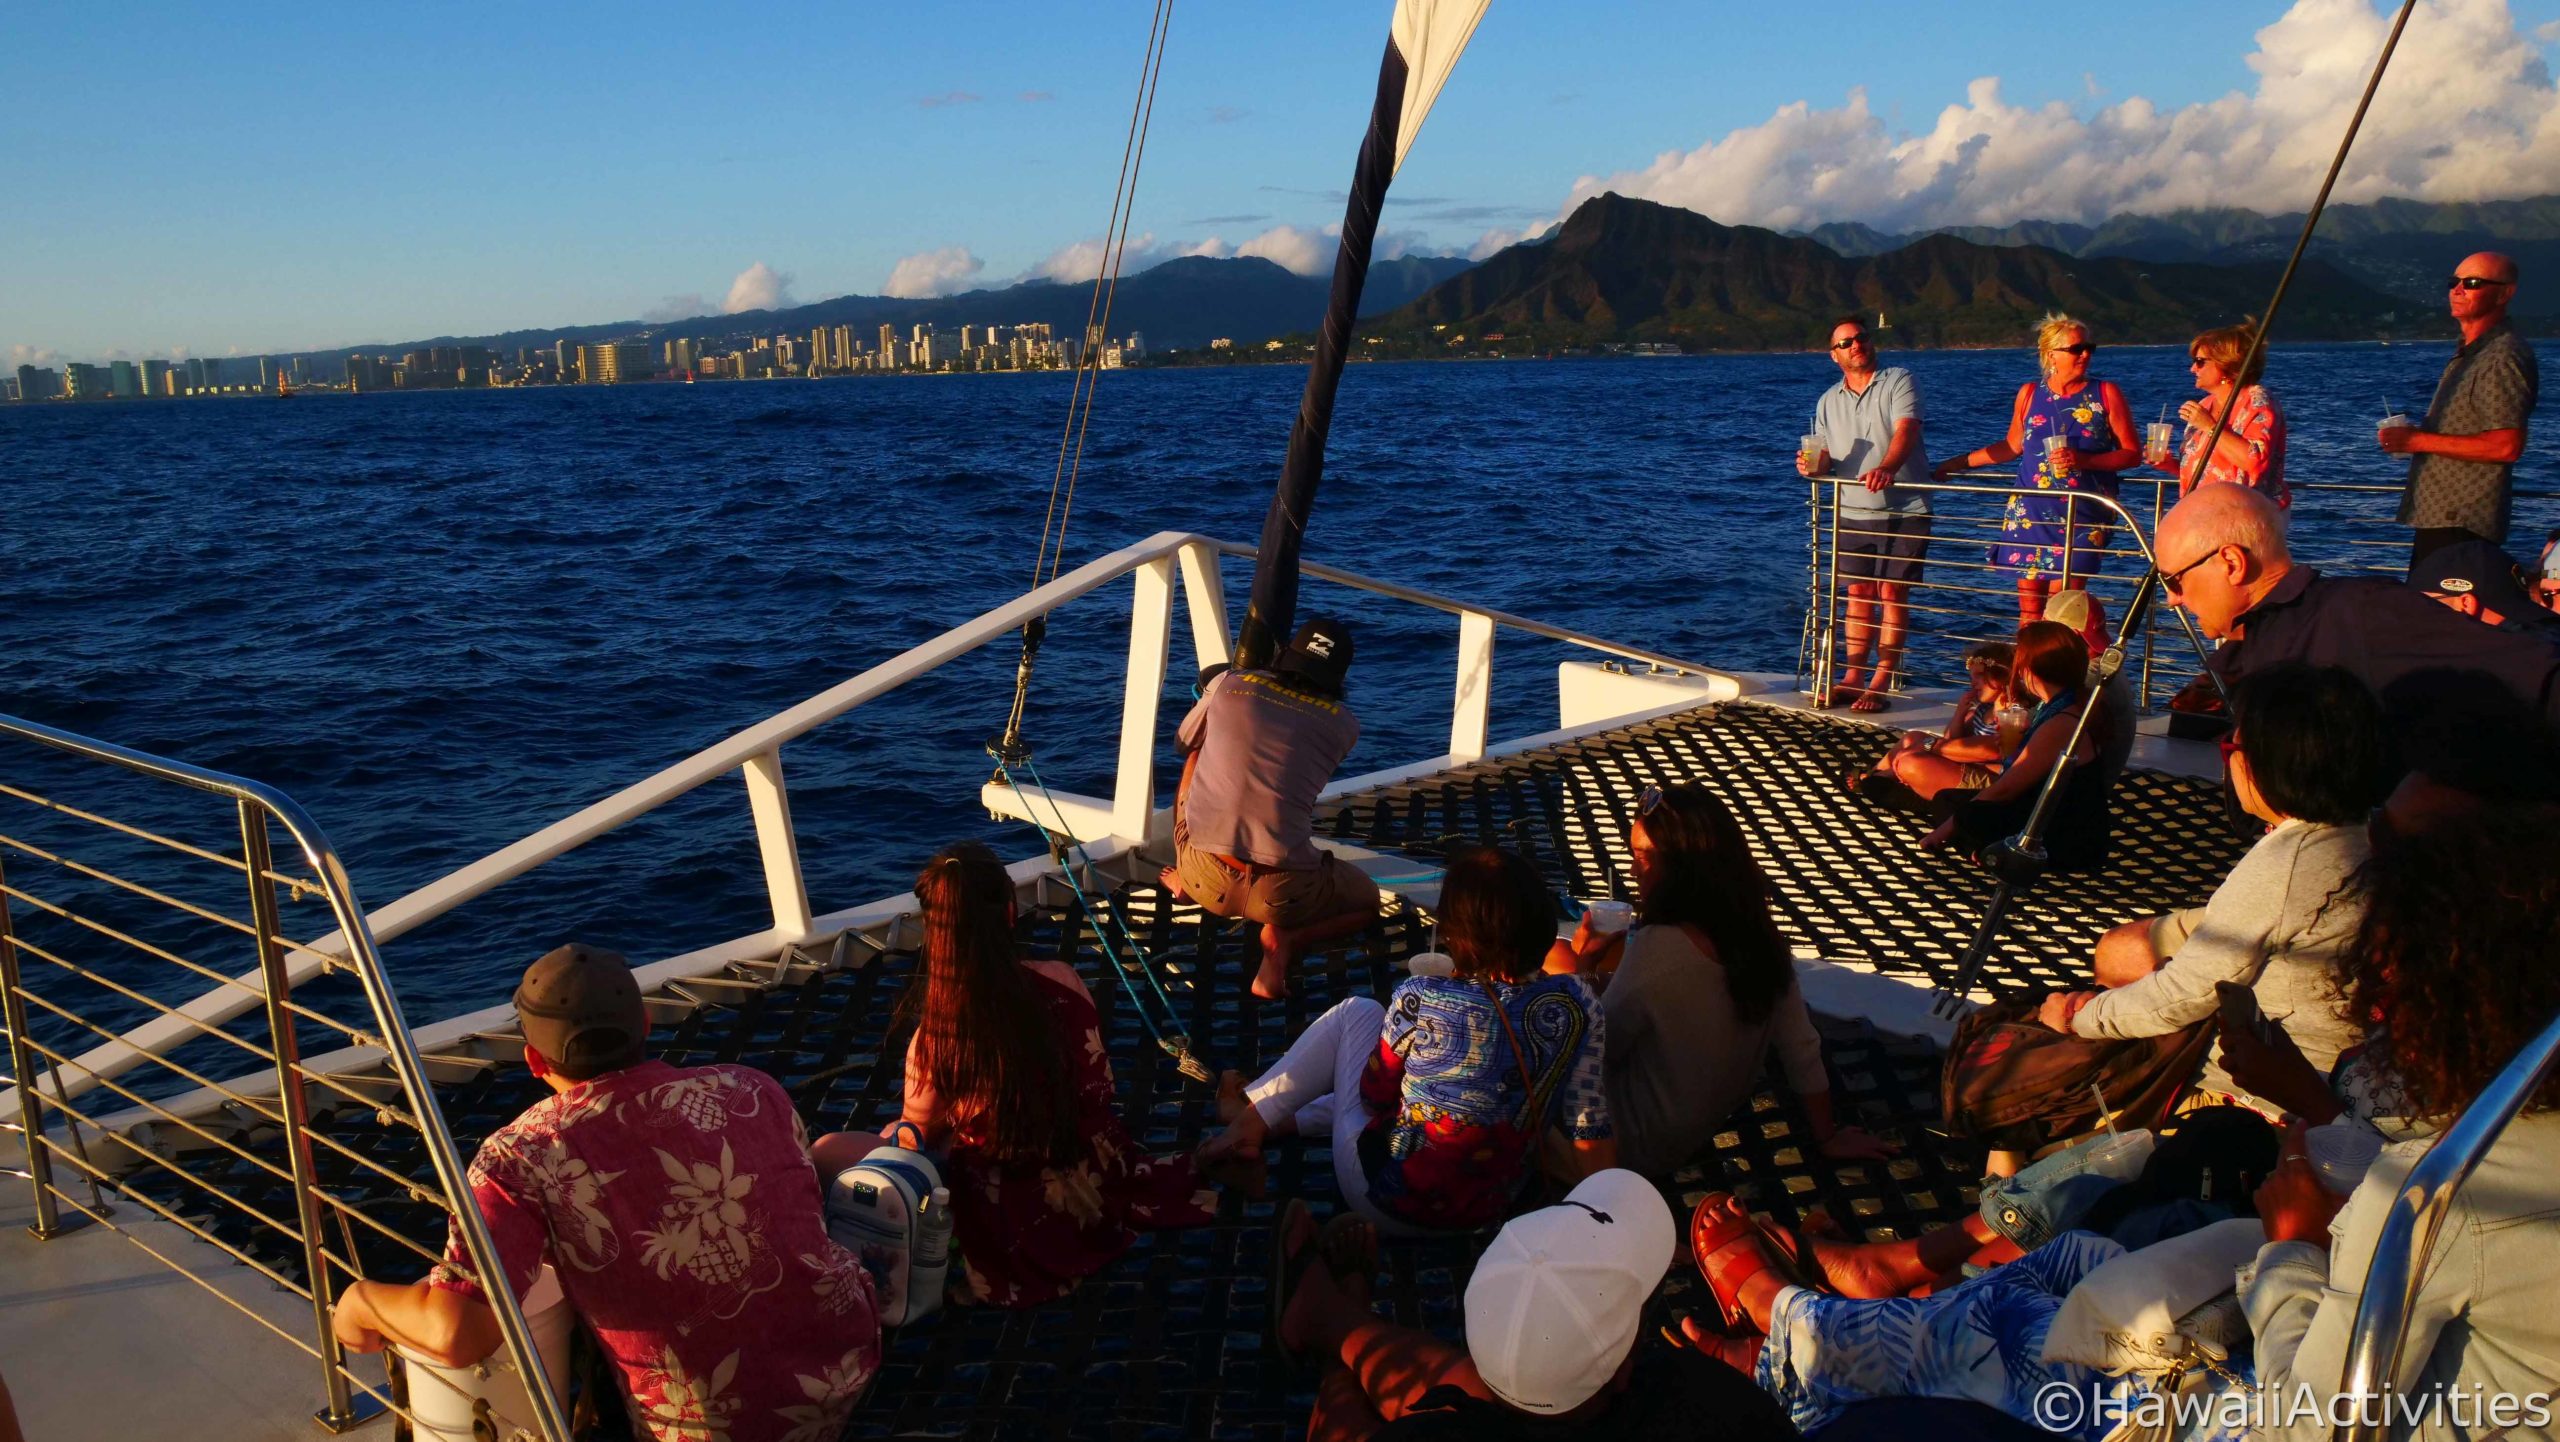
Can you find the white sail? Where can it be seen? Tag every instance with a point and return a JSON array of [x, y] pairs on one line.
[[1430, 35]]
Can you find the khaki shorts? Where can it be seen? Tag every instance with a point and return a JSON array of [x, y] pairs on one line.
[[1285, 899]]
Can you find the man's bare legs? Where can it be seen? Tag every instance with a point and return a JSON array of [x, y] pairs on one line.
[[1281, 949], [1858, 637], [1895, 596]]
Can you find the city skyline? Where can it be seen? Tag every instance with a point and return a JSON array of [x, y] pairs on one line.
[[919, 348], [391, 173]]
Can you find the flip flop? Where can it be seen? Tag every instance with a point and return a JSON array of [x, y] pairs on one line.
[[1777, 1253], [1287, 1268]]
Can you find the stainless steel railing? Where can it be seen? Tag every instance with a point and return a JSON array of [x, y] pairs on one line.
[[86, 948], [1963, 597], [2409, 1234]]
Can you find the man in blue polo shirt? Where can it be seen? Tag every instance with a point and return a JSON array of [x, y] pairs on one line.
[[1870, 428]]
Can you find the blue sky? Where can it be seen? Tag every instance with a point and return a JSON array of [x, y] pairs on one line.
[[251, 178]]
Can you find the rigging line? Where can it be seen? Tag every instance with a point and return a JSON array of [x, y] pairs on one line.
[[1057, 555], [2026, 852], [1121, 192], [2311, 222], [1145, 963], [1180, 1043]]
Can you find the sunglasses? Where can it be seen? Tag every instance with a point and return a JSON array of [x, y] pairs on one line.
[[2196, 362], [2473, 282], [2083, 348], [2174, 582], [1648, 801], [1855, 340], [2229, 746]]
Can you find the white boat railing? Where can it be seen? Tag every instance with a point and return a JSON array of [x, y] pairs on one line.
[[1153, 567], [88, 909]]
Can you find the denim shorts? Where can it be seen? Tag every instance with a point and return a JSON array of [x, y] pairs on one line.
[[2049, 1197]]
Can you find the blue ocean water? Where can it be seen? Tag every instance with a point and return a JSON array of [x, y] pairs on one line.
[[442, 620]]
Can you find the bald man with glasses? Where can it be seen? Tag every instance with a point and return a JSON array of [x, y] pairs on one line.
[[2462, 460], [2223, 559]]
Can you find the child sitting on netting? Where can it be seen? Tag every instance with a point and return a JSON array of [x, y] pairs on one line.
[[1968, 755]]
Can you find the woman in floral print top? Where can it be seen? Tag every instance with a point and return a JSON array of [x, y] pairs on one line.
[[1008, 1077], [2052, 544]]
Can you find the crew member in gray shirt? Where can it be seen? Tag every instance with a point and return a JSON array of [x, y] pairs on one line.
[[1262, 745], [1869, 424], [2462, 460]]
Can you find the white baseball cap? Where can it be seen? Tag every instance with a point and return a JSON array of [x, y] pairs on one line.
[[1554, 1305]]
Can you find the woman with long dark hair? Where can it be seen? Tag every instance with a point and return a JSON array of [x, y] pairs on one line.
[[1007, 1076], [1436, 1102], [1705, 990]]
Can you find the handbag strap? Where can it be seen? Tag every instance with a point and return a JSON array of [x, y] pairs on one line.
[[1519, 1053]]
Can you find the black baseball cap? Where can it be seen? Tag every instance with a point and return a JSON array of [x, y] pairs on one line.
[[2482, 570], [1321, 652], [580, 1007]]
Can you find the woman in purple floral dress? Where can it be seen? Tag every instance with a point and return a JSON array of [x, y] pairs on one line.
[[2050, 543]]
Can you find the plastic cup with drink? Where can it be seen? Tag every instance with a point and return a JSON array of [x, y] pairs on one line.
[[2012, 719], [1608, 917], [2158, 438], [1811, 452], [2396, 421]]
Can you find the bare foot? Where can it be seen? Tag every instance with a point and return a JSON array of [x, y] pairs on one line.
[[1172, 884], [1871, 701], [1271, 979], [1231, 1098], [1742, 1354], [1859, 1269]]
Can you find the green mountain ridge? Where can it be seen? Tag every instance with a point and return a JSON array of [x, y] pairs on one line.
[[2402, 247], [1627, 270]]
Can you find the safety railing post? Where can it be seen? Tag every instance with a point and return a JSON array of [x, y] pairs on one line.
[[2151, 623], [1826, 651], [1205, 597], [1471, 707], [22, 1073], [1133, 793], [784, 884], [341, 1413]]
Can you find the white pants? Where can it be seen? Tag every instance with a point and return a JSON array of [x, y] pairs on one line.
[[1316, 1089]]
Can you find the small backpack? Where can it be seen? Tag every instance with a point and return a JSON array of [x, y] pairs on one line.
[[892, 1210]]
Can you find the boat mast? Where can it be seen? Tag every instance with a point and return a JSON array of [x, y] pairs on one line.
[[1423, 45]]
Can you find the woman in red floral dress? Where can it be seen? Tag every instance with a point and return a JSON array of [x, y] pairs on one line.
[[1007, 1076]]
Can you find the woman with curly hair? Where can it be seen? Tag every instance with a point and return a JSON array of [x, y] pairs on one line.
[[2067, 432], [1007, 1076], [2458, 957]]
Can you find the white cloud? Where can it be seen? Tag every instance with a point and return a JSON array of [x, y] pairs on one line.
[[1499, 239], [758, 287], [33, 355], [1294, 248], [947, 271], [2468, 112], [1080, 261]]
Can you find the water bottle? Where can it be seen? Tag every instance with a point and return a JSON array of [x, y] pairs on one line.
[[933, 1231]]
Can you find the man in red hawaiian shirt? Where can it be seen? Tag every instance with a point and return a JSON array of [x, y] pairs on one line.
[[681, 1215]]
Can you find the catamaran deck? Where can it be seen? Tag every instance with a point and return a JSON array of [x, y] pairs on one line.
[[1167, 1342]]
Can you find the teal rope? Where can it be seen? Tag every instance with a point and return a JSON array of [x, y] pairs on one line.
[[1179, 1044]]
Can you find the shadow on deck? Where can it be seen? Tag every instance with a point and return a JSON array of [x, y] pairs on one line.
[[1166, 1343]]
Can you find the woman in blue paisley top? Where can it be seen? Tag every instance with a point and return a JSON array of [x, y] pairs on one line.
[[2099, 440]]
